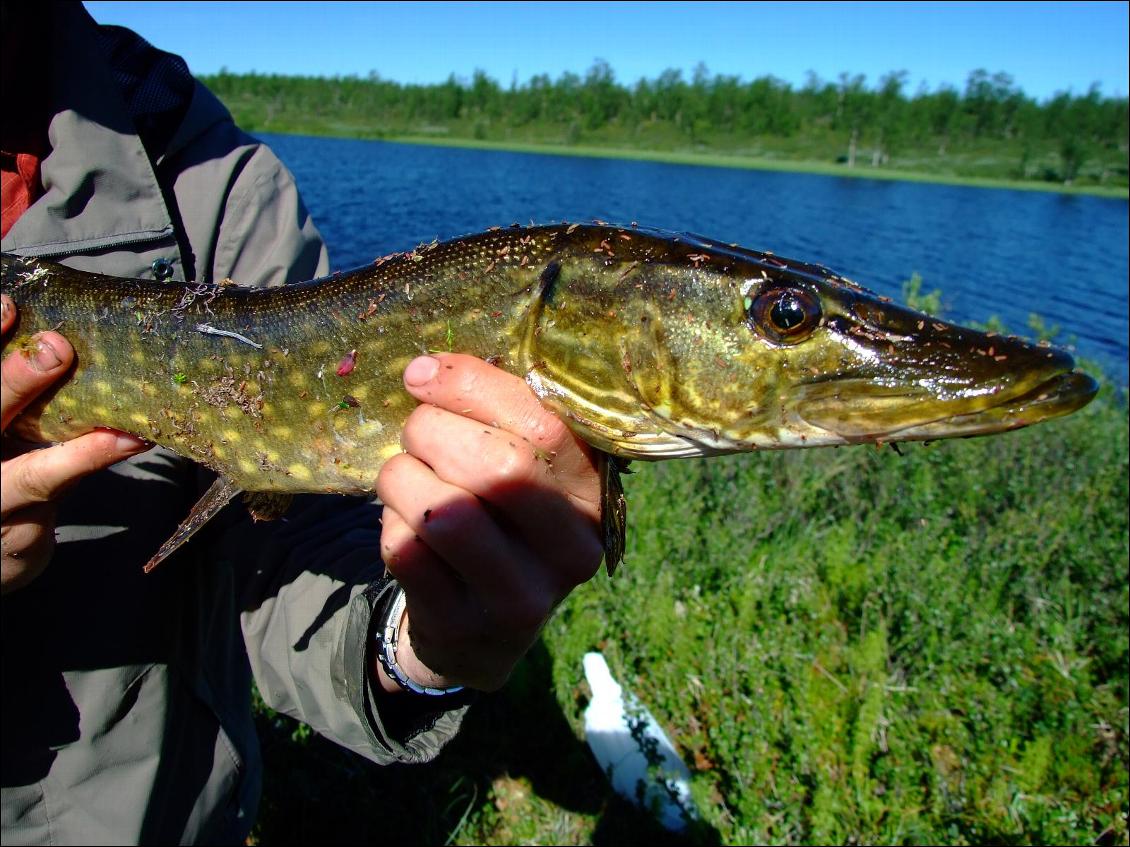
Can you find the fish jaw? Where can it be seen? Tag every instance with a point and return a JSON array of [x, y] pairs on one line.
[[931, 379], [1058, 396]]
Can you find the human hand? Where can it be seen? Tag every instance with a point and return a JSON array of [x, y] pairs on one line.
[[32, 480], [491, 518]]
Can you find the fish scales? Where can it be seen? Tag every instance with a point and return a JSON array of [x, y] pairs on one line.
[[650, 345], [151, 358]]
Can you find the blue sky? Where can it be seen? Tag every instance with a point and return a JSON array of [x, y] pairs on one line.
[[1046, 47]]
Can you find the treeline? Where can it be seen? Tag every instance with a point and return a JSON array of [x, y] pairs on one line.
[[989, 123]]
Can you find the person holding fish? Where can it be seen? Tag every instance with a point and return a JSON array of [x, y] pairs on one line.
[[127, 696]]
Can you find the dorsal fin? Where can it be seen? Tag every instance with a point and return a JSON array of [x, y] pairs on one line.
[[214, 499]]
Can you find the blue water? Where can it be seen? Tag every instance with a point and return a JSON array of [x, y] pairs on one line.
[[992, 252]]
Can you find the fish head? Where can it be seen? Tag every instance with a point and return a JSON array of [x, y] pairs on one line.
[[819, 360], [711, 348]]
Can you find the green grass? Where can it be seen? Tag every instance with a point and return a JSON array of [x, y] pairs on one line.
[[873, 648], [846, 645]]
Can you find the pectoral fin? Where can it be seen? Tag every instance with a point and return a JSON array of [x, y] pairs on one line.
[[267, 505], [214, 499], [613, 511]]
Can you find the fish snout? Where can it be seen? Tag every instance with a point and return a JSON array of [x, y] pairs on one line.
[[953, 359], [917, 377]]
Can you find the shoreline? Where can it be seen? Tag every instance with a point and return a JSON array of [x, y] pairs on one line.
[[716, 160]]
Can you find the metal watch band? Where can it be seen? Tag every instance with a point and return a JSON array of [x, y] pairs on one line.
[[387, 636]]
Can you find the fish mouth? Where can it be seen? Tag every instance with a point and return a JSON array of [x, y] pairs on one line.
[[864, 411], [1061, 395]]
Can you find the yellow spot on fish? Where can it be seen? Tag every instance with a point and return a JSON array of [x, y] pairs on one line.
[[101, 411], [139, 419], [281, 431], [69, 402], [99, 357], [360, 392], [315, 409], [299, 471], [137, 357], [232, 435], [389, 450], [248, 466], [320, 347], [298, 379], [219, 451], [102, 387], [369, 429]]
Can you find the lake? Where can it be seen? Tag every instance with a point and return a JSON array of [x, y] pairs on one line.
[[992, 252]]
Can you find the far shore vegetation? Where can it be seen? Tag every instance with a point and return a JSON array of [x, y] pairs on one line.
[[987, 133]]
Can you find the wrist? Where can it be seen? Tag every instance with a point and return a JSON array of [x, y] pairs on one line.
[[384, 682], [394, 663]]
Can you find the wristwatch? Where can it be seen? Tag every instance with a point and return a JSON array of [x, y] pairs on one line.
[[387, 636]]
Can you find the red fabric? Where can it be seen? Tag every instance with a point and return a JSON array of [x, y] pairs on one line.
[[21, 186]]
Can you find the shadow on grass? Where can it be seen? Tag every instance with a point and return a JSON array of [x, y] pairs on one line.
[[516, 773]]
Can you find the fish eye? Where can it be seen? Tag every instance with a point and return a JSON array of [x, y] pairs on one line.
[[785, 315]]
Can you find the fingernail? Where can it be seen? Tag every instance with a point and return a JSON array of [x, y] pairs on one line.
[[5, 308], [421, 370], [131, 443], [45, 357]]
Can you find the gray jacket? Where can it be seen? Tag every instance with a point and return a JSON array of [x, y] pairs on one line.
[[126, 697]]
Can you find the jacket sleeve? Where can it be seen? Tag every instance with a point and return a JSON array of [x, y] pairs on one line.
[[306, 597], [309, 587]]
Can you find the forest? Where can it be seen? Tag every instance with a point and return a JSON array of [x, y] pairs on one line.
[[988, 129]]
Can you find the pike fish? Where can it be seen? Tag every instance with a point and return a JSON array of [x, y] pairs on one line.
[[650, 345]]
